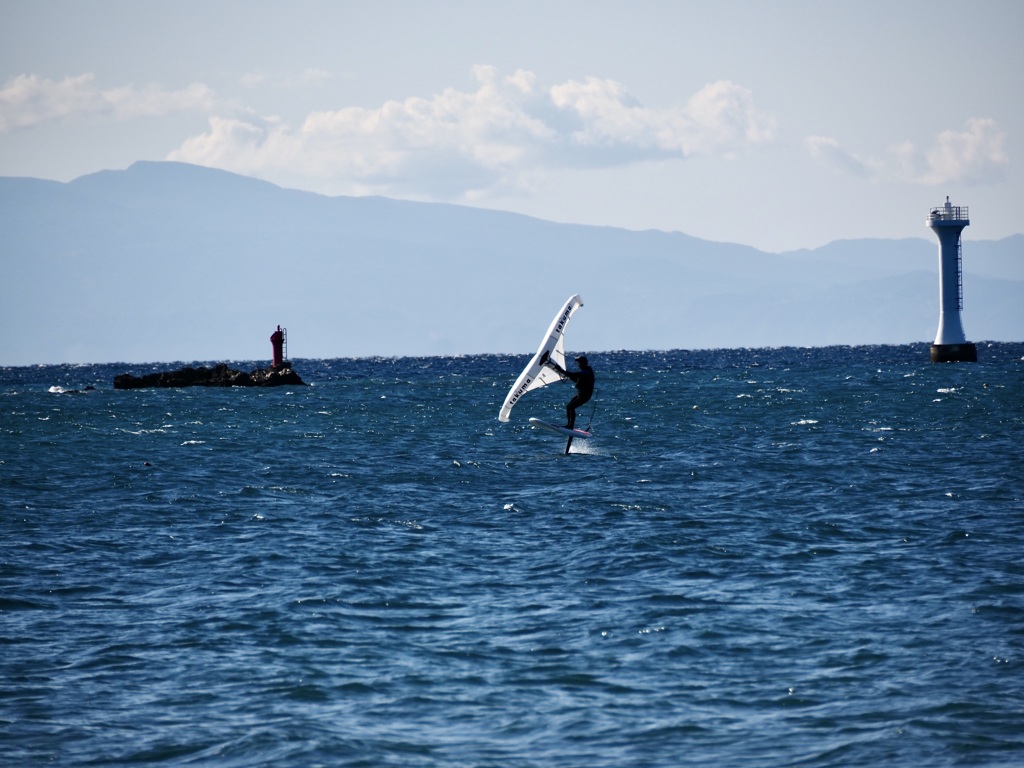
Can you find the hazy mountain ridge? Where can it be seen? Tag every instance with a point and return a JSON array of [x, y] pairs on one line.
[[165, 261]]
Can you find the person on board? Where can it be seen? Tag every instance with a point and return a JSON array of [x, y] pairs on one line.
[[584, 380]]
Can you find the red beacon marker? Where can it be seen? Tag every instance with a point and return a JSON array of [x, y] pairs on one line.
[[277, 341]]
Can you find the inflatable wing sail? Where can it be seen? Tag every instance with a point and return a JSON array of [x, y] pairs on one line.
[[536, 375]]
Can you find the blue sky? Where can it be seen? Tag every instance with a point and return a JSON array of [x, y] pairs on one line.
[[781, 125]]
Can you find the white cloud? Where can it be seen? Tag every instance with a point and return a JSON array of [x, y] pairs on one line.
[[448, 144], [974, 156], [827, 150], [28, 100], [614, 127], [230, 142], [463, 143], [456, 144], [722, 118]]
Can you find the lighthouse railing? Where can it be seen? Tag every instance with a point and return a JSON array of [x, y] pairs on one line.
[[948, 213]]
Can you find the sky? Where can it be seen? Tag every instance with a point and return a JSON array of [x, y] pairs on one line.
[[781, 125]]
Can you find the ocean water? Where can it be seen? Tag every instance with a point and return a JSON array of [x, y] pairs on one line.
[[773, 557]]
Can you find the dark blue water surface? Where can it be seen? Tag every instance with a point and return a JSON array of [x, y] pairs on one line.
[[763, 557]]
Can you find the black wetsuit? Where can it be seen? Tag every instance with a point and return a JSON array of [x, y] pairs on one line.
[[584, 379]]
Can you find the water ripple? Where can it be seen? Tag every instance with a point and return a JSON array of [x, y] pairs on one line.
[[762, 558]]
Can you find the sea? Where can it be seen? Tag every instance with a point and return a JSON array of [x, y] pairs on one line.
[[762, 557]]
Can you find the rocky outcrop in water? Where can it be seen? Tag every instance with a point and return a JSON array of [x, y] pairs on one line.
[[218, 376]]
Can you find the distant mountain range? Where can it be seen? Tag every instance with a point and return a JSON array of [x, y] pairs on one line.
[[172, 262]]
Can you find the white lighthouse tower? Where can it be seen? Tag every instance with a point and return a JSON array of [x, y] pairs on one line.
[[947, 222]]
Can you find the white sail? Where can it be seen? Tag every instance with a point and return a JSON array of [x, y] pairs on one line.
[[535, 374]]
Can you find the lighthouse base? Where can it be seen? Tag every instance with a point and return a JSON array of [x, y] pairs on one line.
[[954, 353]]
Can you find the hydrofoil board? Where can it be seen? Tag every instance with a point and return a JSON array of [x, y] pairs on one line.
[[560, 430]]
